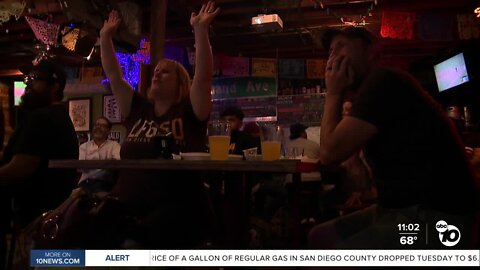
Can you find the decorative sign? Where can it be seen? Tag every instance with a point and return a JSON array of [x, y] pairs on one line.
[[316, 68], [291, 68], [300, 86], [264, 67], [80, 113], [111, 110], [306, 109], [252, 107], [397, 25], [235, 66], [115, 136], [243, 87]]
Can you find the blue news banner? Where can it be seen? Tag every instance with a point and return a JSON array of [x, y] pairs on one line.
[[41, 257]]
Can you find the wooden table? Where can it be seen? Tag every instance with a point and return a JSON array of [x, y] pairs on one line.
[[294, 167], [279, 166]]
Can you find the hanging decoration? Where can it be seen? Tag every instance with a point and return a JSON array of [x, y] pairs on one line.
[[70, 37], [143, 53], [468, 26], [9, 8], [398, 25], [42, 52], [44, 31], [235, 66], [291, 68], [264, 67]]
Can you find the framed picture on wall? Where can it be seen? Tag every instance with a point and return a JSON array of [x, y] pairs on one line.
[[111, 110], [80, 112]]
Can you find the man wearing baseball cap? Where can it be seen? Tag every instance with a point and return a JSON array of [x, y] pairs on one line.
[[415, 154], [44, 132]]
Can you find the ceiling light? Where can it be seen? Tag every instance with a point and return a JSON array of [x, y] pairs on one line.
[[267, 22]]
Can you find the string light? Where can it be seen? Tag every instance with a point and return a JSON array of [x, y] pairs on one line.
[[477, 11], [130, 69], [361, 22]]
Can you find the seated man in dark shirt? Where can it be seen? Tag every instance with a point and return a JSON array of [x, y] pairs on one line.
[[44, 132], [239, 140], [416, 155]]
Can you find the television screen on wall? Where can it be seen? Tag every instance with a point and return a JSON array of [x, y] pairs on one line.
[[451, 72], [18, 91]]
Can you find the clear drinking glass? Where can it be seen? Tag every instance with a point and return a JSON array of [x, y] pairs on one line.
[[293, 152], [219, 139], [271, 141]]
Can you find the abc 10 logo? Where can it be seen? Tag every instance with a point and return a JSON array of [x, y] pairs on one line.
[[449, 235]]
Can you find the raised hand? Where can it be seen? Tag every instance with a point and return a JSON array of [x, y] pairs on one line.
[[110, 25], [205, 16]]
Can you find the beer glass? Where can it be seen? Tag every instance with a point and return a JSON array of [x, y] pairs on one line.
[[219, 139]]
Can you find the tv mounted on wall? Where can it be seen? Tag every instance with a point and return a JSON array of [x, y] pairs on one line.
[[451, 73]]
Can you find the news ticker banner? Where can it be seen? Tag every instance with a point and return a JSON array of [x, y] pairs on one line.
[[254, 258]]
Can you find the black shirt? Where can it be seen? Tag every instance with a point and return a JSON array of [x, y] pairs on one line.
[[240, 141], [49, 134], [417, 156]]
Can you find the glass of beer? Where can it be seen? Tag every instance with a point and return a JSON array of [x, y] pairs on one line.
[[219, 139], [271, 141]]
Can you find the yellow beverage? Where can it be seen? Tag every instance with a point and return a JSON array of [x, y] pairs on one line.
[[270, 150], [219, 147]]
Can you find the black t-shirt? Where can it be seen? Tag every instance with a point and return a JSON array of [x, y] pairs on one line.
[[147, 190], [417, 156], [49, 134], [240, 141]]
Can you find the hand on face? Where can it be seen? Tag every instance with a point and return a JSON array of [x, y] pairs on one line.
[[339, 74], [110, 26], [205, 16]]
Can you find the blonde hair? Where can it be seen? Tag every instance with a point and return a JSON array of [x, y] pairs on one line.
[[183, 78]]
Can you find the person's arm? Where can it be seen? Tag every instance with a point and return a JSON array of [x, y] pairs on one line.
[[20, 168], [200, 92], [115, 154], [82, 151], [121, 89], [340, 137]]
